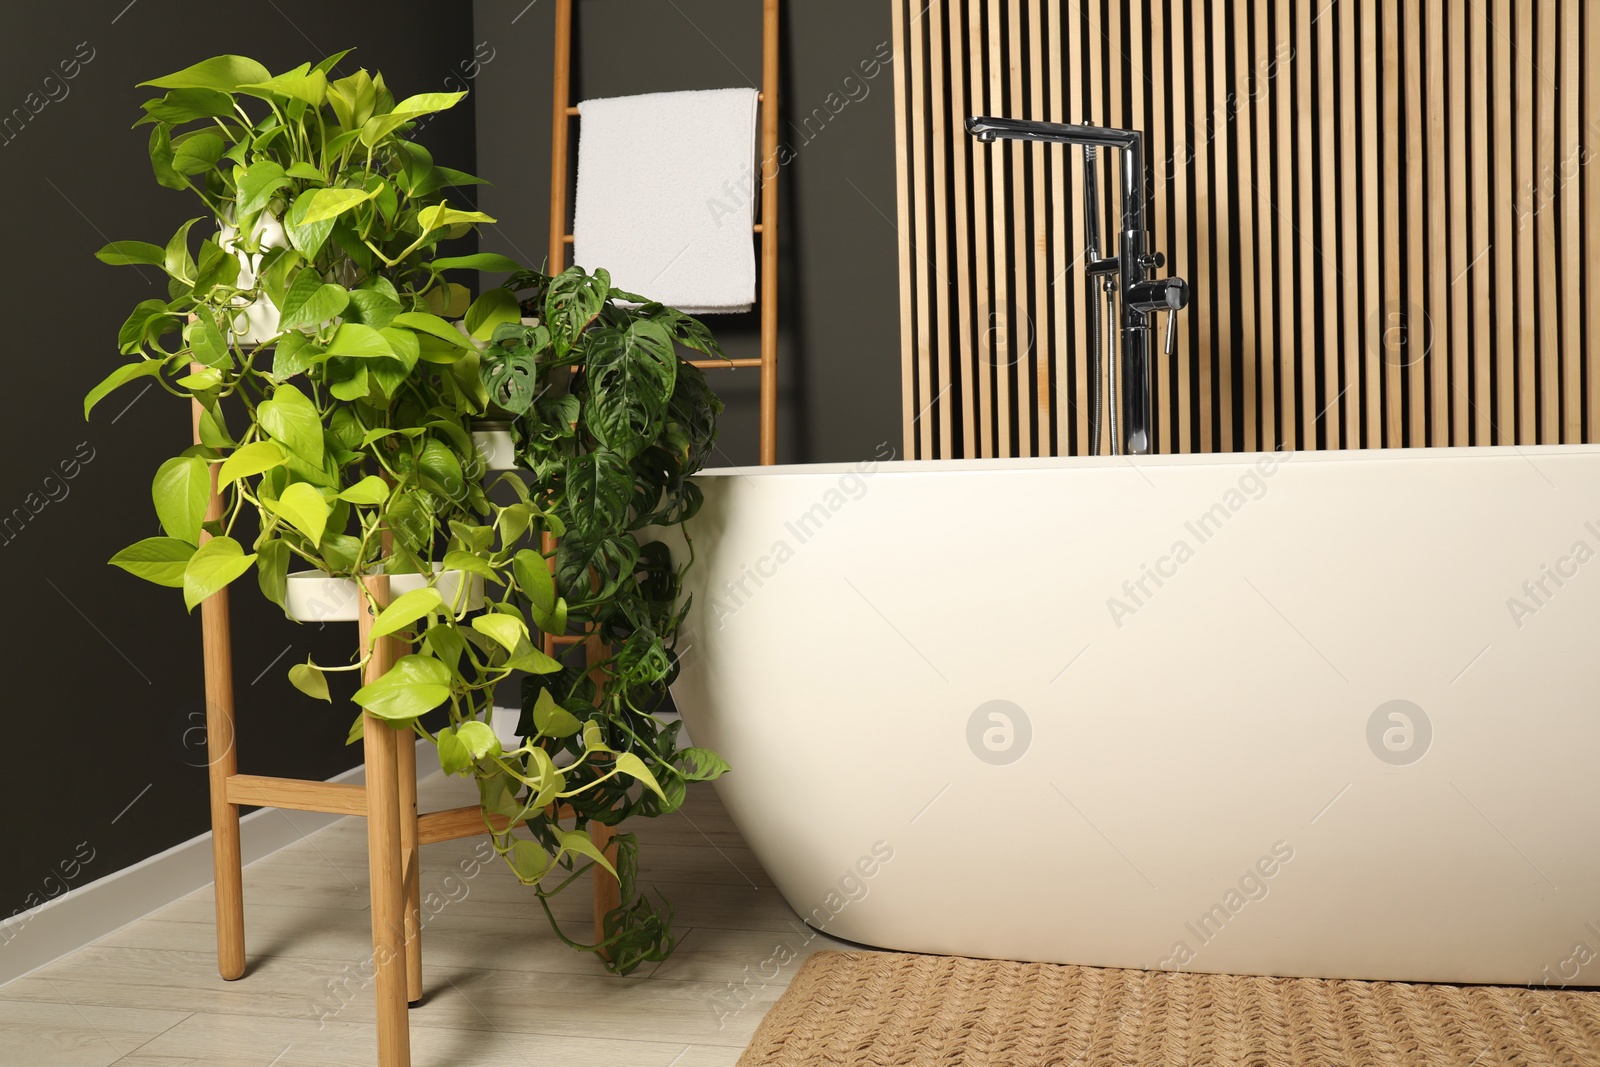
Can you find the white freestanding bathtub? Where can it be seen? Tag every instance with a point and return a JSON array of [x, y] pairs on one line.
[[1319, 714]]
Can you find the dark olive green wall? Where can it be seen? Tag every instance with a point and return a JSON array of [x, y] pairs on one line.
[[101, 687]]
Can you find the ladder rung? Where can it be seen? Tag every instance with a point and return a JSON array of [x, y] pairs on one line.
[[453, 824], [759, 97], [711, 364], [333, 798], [567, 238]]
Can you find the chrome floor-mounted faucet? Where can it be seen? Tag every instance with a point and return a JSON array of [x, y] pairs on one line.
[[1128, 270]]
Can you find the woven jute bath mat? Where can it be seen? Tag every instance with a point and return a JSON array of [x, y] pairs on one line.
[[855, 1009]]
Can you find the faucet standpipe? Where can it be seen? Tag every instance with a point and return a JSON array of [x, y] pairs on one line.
[[1128, 270]]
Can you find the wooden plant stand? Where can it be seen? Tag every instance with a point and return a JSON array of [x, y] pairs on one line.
[[388, 801]]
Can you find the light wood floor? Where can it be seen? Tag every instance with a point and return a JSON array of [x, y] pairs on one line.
[[500, 989]]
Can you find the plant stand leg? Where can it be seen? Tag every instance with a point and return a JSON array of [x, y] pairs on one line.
[[388, 894], [222, 759], [222, 764], [384, 864], [411, 862]]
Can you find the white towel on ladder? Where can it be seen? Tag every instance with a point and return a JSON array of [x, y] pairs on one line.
[[666, 196]]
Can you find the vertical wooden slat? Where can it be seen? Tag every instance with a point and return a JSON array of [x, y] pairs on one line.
[[1571, 230], [1373, 182], [1379, 330], [1161, 190], [1078, 111], [984, 292], [963, 270], [1526, 311], [1114, 162], [1482, 235], [1017, 316], [1289, 340], [1438, 361], [999, 311], [920, 243], [1117, 114], [1183, 263], [1252, 276], [1591, 216], [1138, 118], [1548, 294], [1225, 353], [1416, 332], [1094, 104], [1063, 328], [1305, 233], [1454, 99], [938, 391], [1349, 227], [1205, 248], [908, 383], [1039, 209], [1503, 101], [1263, 95], [1329, 91]]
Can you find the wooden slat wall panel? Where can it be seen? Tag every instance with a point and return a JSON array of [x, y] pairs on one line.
[[1385, 212]]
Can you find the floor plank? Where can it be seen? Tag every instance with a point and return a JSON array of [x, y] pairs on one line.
[[501, 989], [65, 1035]]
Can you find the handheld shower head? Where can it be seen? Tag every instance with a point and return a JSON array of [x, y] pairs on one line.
[[1091, 206]]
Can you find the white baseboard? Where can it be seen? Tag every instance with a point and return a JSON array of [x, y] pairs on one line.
[[82, 916]]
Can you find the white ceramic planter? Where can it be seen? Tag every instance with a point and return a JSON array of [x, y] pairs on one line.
[[256, 321], [495, 447], [315, 597]]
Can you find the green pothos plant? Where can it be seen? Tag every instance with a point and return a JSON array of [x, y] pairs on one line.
[[316, 329]]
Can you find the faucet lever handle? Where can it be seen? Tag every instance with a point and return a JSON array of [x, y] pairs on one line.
[[1172, 333]]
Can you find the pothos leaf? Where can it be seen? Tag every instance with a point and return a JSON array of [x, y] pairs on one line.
[[414, 686], [218, 562], [580, 842], [310, 681], [161, 560]]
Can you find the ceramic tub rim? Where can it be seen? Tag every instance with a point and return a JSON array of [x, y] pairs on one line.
[[1443, 453]]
